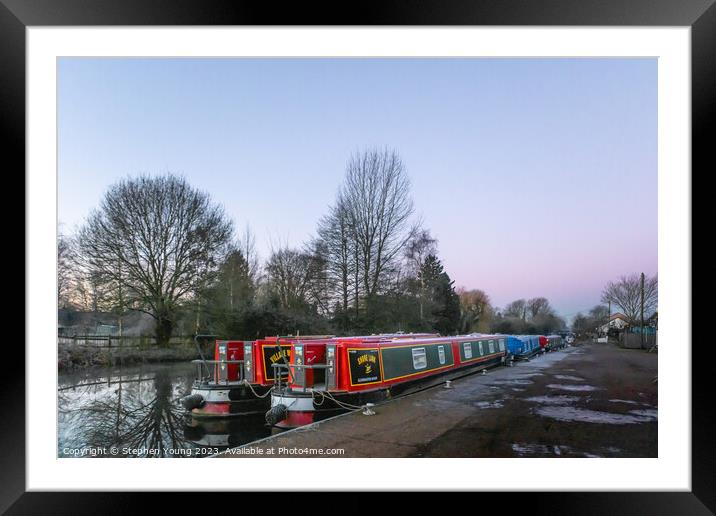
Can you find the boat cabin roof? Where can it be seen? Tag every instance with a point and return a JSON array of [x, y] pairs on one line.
[[421, 340]]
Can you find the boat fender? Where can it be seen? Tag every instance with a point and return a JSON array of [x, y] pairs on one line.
[[192, 401], [276, 414]]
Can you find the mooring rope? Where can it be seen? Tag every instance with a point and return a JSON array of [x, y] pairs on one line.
[[341, 404], [248, 384], [323, 398]]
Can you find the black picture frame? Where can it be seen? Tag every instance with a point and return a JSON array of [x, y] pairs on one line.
[[700, 15]]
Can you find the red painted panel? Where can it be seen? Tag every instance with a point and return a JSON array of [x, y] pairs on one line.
[[234, 351], [313, 353]]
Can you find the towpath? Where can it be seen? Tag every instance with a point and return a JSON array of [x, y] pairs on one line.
[[593, 400]]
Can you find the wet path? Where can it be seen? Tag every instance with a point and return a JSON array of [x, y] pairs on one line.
[[590, 401]]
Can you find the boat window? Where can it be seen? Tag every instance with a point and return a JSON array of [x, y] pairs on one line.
[[420, 360], [492, 346], [441, 354], [467, 349]]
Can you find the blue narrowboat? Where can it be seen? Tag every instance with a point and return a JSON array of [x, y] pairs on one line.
[[522, 347], [514, 346]]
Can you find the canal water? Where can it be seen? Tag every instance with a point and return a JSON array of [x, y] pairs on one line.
[[135, 412]]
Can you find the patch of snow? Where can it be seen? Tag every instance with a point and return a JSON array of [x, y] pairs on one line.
[[576, 388], [562, 413], [652, 413], [553, 400], [523, 449], [568, 377], [511, 382], [490, 404]]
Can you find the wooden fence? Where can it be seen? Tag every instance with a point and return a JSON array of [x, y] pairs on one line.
[[633, 340]]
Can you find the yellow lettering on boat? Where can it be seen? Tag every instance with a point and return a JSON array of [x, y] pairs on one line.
[[278, 356], [366, 358]]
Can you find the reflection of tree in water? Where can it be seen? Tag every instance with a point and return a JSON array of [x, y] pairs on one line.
[[138, 414], [157, 424]]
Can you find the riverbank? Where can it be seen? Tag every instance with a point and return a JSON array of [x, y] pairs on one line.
[[74, 358], [593, 400]]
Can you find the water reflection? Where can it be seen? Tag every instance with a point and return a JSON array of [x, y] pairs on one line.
[[135, 412], [228, 432]]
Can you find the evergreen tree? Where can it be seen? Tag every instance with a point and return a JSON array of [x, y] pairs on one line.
[[442, 300], [227, 300]]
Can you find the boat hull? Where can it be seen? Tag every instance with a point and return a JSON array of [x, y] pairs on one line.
[[220, 401], [306, 407], [530, 354]]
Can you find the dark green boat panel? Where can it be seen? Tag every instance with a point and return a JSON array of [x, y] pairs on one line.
[[408, 360]]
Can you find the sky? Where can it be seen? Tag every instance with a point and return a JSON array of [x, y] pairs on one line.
[[538, 177]]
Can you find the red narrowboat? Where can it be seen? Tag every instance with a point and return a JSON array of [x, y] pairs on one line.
[[543, 343], [350, 372], [237, 381]]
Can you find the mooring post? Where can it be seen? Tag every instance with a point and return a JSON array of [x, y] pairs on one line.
[[367, 409]]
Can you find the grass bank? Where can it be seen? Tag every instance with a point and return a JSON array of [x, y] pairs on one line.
[[72, 358]]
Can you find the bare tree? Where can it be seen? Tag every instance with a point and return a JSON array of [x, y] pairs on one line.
[[247, 246], [289, 274], [625, 293], [90, 292], [160, 239], [598, 315], [376, 197], [338, 240], [581, 324], [599, 312], [319, 281], [517, 308], [538, 306], [474, 309], [420, 245], [78, 288]]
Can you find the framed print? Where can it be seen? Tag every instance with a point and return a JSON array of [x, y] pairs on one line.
[[429, 235]]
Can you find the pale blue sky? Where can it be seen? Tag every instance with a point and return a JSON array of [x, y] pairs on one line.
[[538, 176]]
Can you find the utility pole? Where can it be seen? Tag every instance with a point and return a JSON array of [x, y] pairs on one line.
[[642, 310]]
